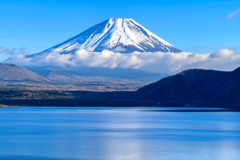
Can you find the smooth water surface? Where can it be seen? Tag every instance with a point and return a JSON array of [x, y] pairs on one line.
[[117, 134]]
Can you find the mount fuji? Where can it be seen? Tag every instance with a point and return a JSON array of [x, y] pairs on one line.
[[115, 34], [100, 58]]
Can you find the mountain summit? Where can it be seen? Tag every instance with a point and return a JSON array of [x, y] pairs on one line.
[[115, 34]]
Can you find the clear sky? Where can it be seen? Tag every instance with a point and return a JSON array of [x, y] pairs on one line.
[[199, 26]]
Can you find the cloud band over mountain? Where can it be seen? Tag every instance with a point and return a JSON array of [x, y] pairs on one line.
[[158, 62], [124, 43]]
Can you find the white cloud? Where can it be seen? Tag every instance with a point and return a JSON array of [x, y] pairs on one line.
[[224, 53], [158, 62], [233, 14], [12, 51], [119, 49]]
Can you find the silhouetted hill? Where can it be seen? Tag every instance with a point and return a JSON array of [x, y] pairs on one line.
[[196, 87], [229, 91], [192, 84]]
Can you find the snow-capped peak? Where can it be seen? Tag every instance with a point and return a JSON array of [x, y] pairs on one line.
[[118, 35]]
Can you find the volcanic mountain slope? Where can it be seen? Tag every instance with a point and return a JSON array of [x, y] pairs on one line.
[[115, 34]]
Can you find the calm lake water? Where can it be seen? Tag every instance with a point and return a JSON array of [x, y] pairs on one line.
[[117, 134]]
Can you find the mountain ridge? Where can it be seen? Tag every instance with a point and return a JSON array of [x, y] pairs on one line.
[[189, 85], [15, 77]]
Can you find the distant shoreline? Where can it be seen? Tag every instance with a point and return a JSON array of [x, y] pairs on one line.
[[158, 108], [57, 98], [191, 110]]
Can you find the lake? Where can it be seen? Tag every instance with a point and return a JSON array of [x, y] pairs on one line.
[[117, 134]]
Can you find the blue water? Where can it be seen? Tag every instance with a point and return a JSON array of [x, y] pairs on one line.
[[117, 134]]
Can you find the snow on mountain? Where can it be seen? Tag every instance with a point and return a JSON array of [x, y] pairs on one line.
[[115, 34]]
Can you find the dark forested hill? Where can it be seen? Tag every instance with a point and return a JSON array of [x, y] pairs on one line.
[[195, 86]]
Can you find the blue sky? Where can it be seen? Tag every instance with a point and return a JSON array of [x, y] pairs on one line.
[[204, 26]]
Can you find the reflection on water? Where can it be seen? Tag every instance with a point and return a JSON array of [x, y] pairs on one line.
[[29, 158], [117, 134]]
